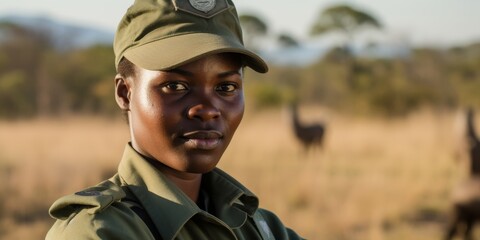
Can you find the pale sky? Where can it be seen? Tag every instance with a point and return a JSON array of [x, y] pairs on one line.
[[419, 22]]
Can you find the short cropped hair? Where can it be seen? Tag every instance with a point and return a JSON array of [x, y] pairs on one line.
[[126, 68]]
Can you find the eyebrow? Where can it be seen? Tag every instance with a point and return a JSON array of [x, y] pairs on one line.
[[230, 73]]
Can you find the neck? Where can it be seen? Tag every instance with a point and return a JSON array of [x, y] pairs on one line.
[[190, 186], [189, 183]]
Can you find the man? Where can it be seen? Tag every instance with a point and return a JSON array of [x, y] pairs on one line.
[[180, 82]]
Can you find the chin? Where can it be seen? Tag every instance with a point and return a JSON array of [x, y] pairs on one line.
[[201, 165], [201, 162]]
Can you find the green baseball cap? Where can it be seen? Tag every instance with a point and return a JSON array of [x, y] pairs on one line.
[[165, 34]]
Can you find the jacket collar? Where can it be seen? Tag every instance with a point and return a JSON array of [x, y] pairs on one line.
[[172, 208]]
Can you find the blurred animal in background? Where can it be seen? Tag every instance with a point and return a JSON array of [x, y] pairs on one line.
[[473, 144], [309, 135], [466, 195]]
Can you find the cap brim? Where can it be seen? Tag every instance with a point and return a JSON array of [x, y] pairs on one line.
[[172, 52]]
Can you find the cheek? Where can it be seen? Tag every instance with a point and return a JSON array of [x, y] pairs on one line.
[[236, 114], [143, 106], [146, 111]]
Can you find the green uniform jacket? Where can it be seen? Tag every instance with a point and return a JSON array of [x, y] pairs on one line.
[[163, 211]]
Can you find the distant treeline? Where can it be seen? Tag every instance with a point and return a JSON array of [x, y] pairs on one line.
[[38, 79], [428, 77]]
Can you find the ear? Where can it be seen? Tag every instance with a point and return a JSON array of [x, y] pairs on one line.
[[122, 92]]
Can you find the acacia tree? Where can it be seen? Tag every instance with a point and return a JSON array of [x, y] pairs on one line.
[[348, 21], [287, 41], [344, 19], [254, 29]]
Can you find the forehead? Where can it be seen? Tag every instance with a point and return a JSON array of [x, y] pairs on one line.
[[225, 60], [229, 61], [220, 62]]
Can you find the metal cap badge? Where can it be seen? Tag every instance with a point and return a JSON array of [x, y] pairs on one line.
[[201, 8], [203, 5]]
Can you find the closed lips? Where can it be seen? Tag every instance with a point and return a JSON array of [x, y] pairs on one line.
[[203, 134], [203, 140]]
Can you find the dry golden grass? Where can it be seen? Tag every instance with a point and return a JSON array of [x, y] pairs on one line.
[[41, 160], [374, 179]]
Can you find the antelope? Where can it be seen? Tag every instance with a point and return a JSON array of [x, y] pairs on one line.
[[309, 135], [466, 195]]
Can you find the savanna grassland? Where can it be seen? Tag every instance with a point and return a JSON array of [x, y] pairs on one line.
[[373, 179]]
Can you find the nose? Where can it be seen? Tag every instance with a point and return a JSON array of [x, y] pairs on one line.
[[203, 110]]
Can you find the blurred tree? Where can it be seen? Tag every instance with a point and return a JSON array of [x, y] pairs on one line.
[[287, 41], [348, 21], [26, 50], [344, 19], [254, 28], [87, 76], [464, 73], [37, 78], [13, 87]]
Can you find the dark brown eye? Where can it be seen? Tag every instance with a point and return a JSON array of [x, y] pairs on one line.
[[227, 87], [174, 87]]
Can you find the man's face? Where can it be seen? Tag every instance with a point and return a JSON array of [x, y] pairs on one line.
[[185, 118]]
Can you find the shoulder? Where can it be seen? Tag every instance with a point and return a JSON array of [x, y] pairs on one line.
[[94, 199], [269, 222], [96, 213]]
